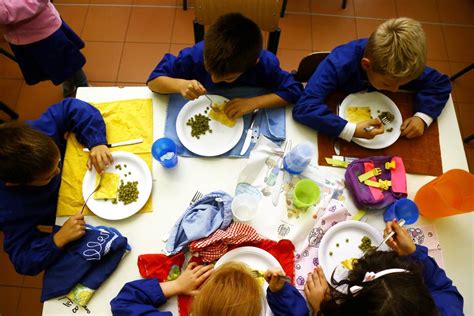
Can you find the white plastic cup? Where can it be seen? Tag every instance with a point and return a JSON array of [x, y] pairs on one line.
[[245, 207], [299, 157]]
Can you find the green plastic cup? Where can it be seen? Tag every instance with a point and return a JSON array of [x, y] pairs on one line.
[[306, 193]]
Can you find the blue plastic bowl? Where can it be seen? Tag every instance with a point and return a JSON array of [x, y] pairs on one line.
[[403, 208]]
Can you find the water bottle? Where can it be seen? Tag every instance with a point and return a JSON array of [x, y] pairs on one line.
[[299, 158]]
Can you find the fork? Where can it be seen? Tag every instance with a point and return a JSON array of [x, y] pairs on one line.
[[383, 118], [95, 190], [210, 102], [258, 274]]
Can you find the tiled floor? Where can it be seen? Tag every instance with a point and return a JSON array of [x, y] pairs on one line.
[[126, 38]]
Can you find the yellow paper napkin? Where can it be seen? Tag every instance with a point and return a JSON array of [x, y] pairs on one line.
[[128, 119]]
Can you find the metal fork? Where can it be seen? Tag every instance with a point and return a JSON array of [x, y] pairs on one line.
[[197, 196], [258, 274], [210, 102], [383, 118], [95, 190]]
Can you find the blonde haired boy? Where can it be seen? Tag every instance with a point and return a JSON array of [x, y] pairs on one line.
[[392, 58]]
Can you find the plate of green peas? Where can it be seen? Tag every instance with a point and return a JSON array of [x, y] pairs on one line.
[[203, 135], [130, 192]]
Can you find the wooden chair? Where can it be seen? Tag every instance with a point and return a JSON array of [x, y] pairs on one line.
[[264, 12], [308, 65]]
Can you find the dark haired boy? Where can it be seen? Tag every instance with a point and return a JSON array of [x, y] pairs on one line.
[[230, 55], [30, 175]]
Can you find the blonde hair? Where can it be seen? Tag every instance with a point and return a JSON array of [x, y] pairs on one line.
[[397, 48], [230, 291]]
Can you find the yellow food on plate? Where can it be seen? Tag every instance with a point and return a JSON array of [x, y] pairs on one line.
[[358, 114], [349, 263], [108, 186], [217, 114]]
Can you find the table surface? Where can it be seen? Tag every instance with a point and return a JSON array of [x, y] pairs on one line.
[[173, 188]]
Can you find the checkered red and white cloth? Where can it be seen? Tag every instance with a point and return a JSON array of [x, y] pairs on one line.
[[218, 243]]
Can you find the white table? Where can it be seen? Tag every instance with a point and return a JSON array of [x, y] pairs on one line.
[[173, 188]]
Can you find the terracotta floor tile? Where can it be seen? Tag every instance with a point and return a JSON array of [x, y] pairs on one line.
[[106, 23], [421, 10], [469, 150], [34, 100], [375, 8], [298, 6], [441, 66], [365, 27], [71, 1], [332, 7], [33, 281], [466, 114], [102, 83], [176, 48], [458, 11], [9, 299], [296, 32], [139, 59], [463, 86], [111, 1], [10, 91], [8, 68], [103, 60], [329, 32], [183, 27], [459, 43], [129, 84], [150, 25], [74, 16], [158, 2], [435, 42], [290, 58], [8, 276], [30, 304]]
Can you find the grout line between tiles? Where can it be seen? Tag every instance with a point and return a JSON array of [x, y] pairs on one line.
[[123, 45]]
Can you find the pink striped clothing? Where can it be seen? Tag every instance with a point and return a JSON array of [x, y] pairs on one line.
[[28, 21]]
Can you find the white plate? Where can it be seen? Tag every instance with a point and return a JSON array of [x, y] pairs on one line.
[[256, 259], [353, 231], [376, 101], [221, 140], [139, 172]]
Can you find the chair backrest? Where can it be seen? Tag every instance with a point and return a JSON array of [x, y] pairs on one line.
[[308, 65], [266, 13]]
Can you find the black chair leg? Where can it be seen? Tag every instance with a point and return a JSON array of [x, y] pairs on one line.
[[7, 54], [198, 31], [185, 5], [468, 138], [283, 8], [5, 108], [461, 72], [273, 40], [344, 4]]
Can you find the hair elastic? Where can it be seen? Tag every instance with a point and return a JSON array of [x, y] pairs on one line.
[[370, 276]]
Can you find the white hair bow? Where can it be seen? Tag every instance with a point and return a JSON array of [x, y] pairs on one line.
[[370, 276]]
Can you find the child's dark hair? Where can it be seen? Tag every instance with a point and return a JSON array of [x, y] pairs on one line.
[[25, 153], [393, 294], [232, 44]]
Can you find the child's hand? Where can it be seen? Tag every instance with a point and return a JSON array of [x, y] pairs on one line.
[[73, 229], [274, 282], [413, 127], [360, 131], [192, 278], [191, 89], [236, 108], [99, 157], [401, 242], [316, 289]]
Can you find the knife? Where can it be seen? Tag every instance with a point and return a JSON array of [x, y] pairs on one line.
[[251, 134], [277, 188], [124, 143]]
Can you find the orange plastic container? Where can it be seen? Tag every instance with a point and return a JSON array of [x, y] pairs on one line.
[[449, 194]]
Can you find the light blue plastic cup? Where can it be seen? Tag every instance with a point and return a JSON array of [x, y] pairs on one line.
[[164, 151]]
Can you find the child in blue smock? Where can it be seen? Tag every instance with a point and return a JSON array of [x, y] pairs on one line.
[[45, 47], [228, 290], [393, 58], [31, 156], [230, 55]]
